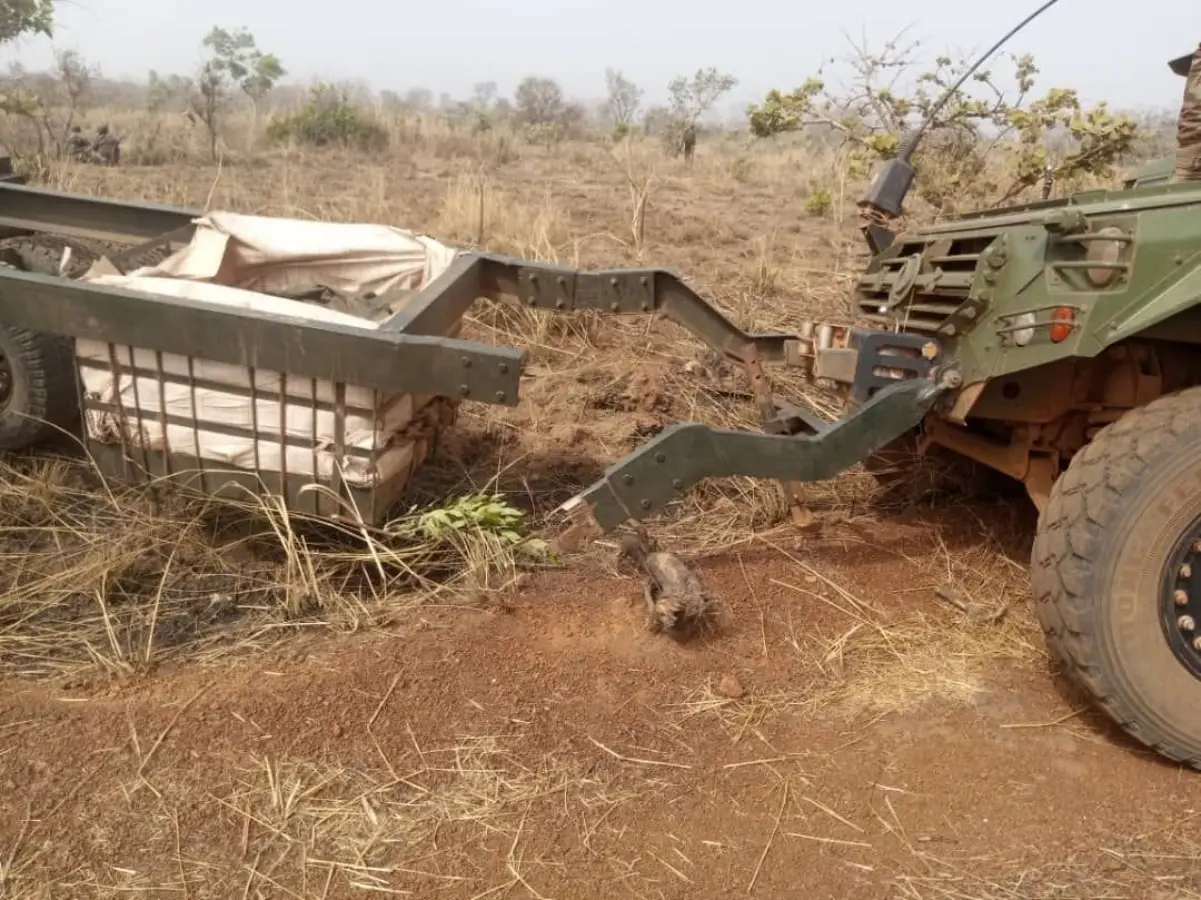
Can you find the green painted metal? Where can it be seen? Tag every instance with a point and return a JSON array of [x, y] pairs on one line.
[[981, 277], [682, 456], [373, 358], [1157, 171], [35, 210]]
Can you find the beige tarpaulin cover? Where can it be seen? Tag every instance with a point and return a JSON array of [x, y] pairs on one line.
[[233, 260], [271, 255]]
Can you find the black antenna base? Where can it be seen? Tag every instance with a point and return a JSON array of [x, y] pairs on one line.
[[885, 196]]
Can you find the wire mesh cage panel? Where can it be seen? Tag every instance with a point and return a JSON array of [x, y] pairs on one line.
[[328, 448]]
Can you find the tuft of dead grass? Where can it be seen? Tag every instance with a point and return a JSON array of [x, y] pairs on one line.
[[117, 578], [454, 818], [889, 664]]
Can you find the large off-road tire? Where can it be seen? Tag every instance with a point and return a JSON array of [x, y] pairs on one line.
[[43, 253], [39, 396], [1116, 573], [39, 380]]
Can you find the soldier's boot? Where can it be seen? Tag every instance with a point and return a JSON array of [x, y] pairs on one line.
[[1188, 129]]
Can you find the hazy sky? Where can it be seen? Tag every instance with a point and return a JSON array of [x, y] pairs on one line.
[[1104, 48]]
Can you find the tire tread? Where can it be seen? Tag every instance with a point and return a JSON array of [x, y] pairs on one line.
[[1084, 503]]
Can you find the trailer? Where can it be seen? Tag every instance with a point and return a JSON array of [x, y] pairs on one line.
[[150, 352]]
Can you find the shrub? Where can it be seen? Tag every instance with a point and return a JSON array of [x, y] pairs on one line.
[[819, 202], [329, 118]]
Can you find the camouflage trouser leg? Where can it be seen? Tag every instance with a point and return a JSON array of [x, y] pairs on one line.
[[1188, 130]]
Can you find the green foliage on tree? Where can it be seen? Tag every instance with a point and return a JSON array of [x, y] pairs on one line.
[[234, 60], [49, 104], [19, 18], [165, 91], [329, 118], [236, 54], [690, 97], [694, 95], [26, 17], [983, 144]]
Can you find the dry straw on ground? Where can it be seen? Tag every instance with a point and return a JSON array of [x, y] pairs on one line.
[[106, 579]]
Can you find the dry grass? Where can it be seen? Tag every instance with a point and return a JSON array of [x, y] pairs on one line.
[[118, 578], [111, 579], [434, 819]]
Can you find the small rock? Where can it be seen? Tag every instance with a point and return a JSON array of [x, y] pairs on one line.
[[730, 687], [337, 731]]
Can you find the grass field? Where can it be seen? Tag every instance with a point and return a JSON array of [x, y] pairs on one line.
[[203, 702]]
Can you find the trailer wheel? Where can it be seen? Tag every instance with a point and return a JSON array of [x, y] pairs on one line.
[[39, 381], [1116, 573], [38, 387]]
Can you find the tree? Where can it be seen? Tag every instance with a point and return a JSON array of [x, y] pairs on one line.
[[419, 99], [539, 101], [165, 91], [19, 18], [624, 99], [693, 96], [209, 98], [234, 59], [237, 54], [75, 78], [484, 108], [990, 148], [22, 17], [690, 98], [484, 94], [50, 103]]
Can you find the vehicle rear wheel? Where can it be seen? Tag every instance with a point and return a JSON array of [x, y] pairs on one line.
[[1116, 573], [39, 380]]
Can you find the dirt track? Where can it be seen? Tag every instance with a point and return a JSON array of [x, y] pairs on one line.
[[551, 748], [848, 733]]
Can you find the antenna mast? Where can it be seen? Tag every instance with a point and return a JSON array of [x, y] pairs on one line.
[[886, 194]]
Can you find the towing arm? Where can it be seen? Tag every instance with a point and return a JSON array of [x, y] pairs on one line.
[[613, 291], [837, 353], [682, 456], [894, 378]]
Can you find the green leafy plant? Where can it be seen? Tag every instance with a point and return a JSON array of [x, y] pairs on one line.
[[26, 17], [329, 118], [984, 144], [819, 202], [479, 514], [546, 133]]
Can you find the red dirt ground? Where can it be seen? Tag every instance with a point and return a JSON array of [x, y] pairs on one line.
[[547, 746]]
